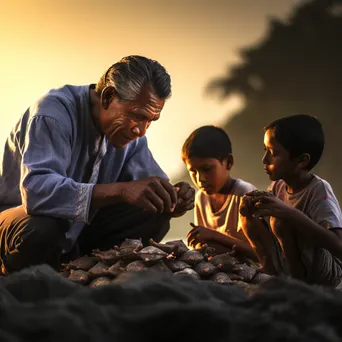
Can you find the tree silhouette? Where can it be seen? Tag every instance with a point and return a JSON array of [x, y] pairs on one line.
[[297, 68]]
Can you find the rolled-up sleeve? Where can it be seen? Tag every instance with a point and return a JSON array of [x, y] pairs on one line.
[[44, 185]]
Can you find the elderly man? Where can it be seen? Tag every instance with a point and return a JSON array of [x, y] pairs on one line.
[[77, 173]]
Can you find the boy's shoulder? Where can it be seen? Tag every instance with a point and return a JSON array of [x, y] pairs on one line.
[[317, 184], [242, 187], [321, 187], [317, 189]]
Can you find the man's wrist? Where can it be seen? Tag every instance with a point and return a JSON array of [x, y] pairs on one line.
[[107, 194]]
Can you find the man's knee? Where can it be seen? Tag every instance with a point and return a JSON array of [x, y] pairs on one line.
[[18, 227], [28, 240], [44, 230]]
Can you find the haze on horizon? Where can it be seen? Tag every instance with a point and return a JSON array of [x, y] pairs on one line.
[[47, 44]]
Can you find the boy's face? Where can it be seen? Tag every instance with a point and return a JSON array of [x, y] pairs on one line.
[[208, 174], [277, 161]]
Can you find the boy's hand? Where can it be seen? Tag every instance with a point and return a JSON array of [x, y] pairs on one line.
[[200, 234], [270, 205], [185, 199]]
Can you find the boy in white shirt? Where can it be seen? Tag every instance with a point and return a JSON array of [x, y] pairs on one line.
[[207, 153]]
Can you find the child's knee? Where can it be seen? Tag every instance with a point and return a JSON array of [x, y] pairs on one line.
[[250, 228]]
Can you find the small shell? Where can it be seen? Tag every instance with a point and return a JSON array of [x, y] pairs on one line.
[[176, 265], [164, 247], [226, 261], [101, 281], [206, 251], [246, 272], [137, 265], [151, 254], [79, 276], [188, 272], [109, 257], [205, 269], [221, 278], [234, 276], [152, 250], [99, 270], [130, 245], [116, 269], [84, 263], [192, 257], [260, 278], [182, 247]]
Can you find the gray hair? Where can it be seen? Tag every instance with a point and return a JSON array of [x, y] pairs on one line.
[[131, 74]]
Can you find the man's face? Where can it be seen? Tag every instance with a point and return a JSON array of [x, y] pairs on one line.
[[124, 121], [277, 161], [208, 174]]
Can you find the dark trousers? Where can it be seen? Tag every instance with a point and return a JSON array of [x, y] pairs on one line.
[[27, 240]]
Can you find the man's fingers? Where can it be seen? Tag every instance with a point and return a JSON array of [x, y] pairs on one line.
[[193, 225], [182, 188], [156, 201], [165, 197], [171, 191], [147, 205]]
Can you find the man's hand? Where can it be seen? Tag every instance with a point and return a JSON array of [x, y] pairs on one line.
[[269, 205], [186, 198], [199, 234], [152, 194]]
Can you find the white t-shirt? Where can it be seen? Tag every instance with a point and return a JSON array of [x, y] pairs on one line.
[[317, 200], [227, 219]]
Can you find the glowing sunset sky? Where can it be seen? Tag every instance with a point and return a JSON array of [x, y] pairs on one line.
[[46, 44]]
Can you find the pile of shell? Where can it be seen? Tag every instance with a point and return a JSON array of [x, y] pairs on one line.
[[105, 267]]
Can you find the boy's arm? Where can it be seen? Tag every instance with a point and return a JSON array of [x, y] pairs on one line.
[[330, 239], [239, 245], [199, 233]]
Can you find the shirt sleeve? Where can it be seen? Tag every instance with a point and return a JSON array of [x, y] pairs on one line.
[[141, 164], [44, 185], [325, 210]]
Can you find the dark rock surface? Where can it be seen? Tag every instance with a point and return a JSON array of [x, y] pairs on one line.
[[38, 304]]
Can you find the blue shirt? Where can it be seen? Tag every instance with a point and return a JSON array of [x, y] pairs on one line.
[[54, 156]]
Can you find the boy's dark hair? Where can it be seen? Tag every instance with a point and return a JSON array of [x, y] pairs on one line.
[[207, 142], [300, 134]]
